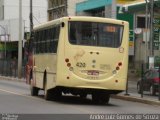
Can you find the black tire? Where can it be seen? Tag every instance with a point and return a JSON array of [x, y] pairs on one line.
[[47, 94], [83, 95], [57, 94], [152, 90], [52, 94], [34, 91], [100, 98]]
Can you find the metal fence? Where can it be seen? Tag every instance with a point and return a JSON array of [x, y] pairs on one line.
[[9, 67]]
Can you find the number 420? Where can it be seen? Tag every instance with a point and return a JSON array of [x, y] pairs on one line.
[[79, 64]]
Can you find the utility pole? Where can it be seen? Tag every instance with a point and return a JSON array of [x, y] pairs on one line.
[[20, 41], [151, 28], [31, 28], [146, 27], [31, 17], [66, 6]]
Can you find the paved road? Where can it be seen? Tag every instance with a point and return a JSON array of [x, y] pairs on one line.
[[15, 98]]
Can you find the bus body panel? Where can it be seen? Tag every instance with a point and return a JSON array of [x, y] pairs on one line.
[[44, 63], [89, 67], [106, 60]]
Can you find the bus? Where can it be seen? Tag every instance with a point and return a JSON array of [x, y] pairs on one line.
[[79, 56]]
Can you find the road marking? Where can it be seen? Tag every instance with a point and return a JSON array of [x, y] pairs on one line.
[[71, 106], [7, 91]]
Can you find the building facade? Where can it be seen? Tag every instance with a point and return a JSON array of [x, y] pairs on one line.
[[9, 21], [60, 8], [10, 10], [133, 11], [100, 8]]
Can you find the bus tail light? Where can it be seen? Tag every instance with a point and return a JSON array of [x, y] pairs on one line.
[[66, 60], [117, 68], [69, 64], [120, 64]]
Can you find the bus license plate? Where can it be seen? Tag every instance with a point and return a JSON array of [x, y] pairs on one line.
[[93, 72]]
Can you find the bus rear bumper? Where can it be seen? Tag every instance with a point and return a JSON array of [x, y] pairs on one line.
[[77, 91]]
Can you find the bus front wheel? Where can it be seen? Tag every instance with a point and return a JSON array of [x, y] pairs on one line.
[[47, 94]]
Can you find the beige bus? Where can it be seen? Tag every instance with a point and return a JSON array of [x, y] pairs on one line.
[[79, 56]]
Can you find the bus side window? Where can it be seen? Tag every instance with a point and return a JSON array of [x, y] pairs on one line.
[[51, 41], [44, 42], [50, 38], [40, 42], [35, 42], [47, 40], [55, 38]]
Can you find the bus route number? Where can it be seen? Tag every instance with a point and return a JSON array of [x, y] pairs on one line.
[[80, 64]]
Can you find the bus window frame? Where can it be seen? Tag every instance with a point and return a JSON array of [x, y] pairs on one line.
[[43, 36], [119, 25]]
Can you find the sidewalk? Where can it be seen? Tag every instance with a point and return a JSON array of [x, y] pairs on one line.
[[132, 93]]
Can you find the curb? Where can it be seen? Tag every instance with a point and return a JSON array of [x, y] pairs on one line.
[[136, 99], [12, 79]]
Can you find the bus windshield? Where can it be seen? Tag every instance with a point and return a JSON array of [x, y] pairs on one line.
[[95, 34]]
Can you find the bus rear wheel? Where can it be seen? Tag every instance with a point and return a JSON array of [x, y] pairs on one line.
[[83, 95], [47, 93], [100, 98], [52, 94], [34, 91]]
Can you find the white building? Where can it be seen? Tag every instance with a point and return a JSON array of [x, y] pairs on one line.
[[9, 9], [9, 21]]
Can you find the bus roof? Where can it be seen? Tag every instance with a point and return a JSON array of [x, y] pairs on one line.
[[78, 18]]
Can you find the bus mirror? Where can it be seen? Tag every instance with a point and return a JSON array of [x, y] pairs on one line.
[[63, 24]]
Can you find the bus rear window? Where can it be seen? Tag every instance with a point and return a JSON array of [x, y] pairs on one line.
[[95, 34]]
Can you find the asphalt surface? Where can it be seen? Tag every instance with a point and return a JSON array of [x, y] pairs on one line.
[[17, 95], [129, 95]]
